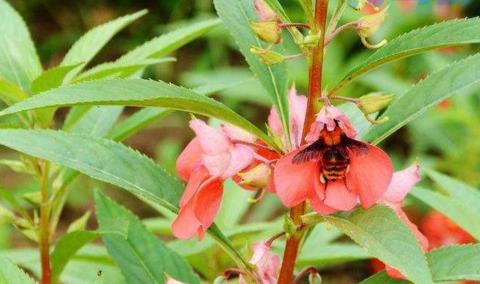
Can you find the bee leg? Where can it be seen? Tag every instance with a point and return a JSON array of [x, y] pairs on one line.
[[326, 186]]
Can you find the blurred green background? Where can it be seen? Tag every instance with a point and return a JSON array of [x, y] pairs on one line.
[[445, 138]]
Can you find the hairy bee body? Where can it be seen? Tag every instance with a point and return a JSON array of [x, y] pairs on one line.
[[335, 163]]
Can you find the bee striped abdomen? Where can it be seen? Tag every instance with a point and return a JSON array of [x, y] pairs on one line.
[[334, 164]]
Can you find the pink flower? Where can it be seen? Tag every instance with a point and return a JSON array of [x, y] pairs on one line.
[[335, 171], [402, 182], [211, 157], [264, 12], [297, 107], [267, 264]]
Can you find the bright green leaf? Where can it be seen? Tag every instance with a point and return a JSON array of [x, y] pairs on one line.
[[19, 62], [94, 40], [236, 15], [457, 262], [51, 78], [137, 92], [448, 33], [386, 237], [465, 216], [101, 159], [453, 79], [10, 93], [141, 256]]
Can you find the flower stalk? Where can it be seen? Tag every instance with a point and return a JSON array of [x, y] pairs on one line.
[[44, 230], [314, 92]]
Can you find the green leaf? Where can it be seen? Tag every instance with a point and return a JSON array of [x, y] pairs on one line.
[[10, 93], [454, 263], [386, 237], [10, 273], [464, 193], [101, 159], [382, 278], [94, 40], [453, 79], [463, 215], [330, 254], [19, 62], [137, 92], [67, 247], [52, 78], [448, 33], [98, 121], [235, 203], [141, 256], [151, 51], [236, 15]]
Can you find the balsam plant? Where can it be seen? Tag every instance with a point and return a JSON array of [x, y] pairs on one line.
[[319, 160]]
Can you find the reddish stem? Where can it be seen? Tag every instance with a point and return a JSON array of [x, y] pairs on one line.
[[314, 93]]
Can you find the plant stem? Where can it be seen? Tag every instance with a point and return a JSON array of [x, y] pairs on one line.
[[44, 243], [314, 92]]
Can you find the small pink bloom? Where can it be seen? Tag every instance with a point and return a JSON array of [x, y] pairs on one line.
[[173, 281], [297, 107], [335, 171], [266, 262], [210, 158]]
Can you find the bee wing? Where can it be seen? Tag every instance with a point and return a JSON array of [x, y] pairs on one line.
[[355, 145], [311, 152]]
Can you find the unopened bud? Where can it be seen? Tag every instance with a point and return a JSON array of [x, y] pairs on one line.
[[263, 11], [357, 4], [268, 31], [310, 41], [257, 177], [268, 56], [289, 226], [314, 278], [374, 102], [368, 25]]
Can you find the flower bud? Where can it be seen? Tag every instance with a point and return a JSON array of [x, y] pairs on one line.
[[368, 25], [310, 41], [289, 226], [314, 278], [257, 177], [374, 102], [268, 31], [264, 12], [268, 56]]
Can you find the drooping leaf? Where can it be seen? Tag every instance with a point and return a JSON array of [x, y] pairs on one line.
[[463, 215], [94, 40], [453, 79], [448, 33], [454, 263], [236, 15], [141, 256], [150, 52], [386, 237], [137, 92], [466, 194], [19, 61], [10, 273], [67, 247], [101, 159]]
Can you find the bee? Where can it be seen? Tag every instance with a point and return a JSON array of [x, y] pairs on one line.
[[332, 152]]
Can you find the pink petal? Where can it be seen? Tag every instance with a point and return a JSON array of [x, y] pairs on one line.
[[422, 240], [339, 197], [189, 159], [294, 183], [240, 158], [401, 184], [186, 225], [327, 118], [237, 134], [197, 177], [369, 174], [207, 201], [274, 123], [319, 206], [216, 164], [297, 106], [213, 141]]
